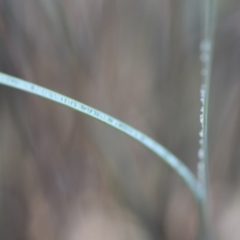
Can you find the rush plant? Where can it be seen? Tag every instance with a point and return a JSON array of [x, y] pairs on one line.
[[198, 185]]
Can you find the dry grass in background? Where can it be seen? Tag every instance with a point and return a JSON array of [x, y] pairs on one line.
[[65, 176]]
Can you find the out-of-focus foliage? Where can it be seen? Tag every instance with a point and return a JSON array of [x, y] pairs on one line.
[[65, 176]]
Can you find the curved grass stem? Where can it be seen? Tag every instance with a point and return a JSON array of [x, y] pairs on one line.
[[169, 158]]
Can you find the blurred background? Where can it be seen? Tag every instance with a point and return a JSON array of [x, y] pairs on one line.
[[64, 176]]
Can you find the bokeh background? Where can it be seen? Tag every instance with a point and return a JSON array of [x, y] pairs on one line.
[[64, 176]]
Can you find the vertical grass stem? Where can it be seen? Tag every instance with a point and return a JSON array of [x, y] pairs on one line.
[[206, 55]]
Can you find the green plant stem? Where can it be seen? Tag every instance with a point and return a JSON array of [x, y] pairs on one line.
[[169, 158], [209, 18]]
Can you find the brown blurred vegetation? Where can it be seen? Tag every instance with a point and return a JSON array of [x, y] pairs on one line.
[[66, 176]]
